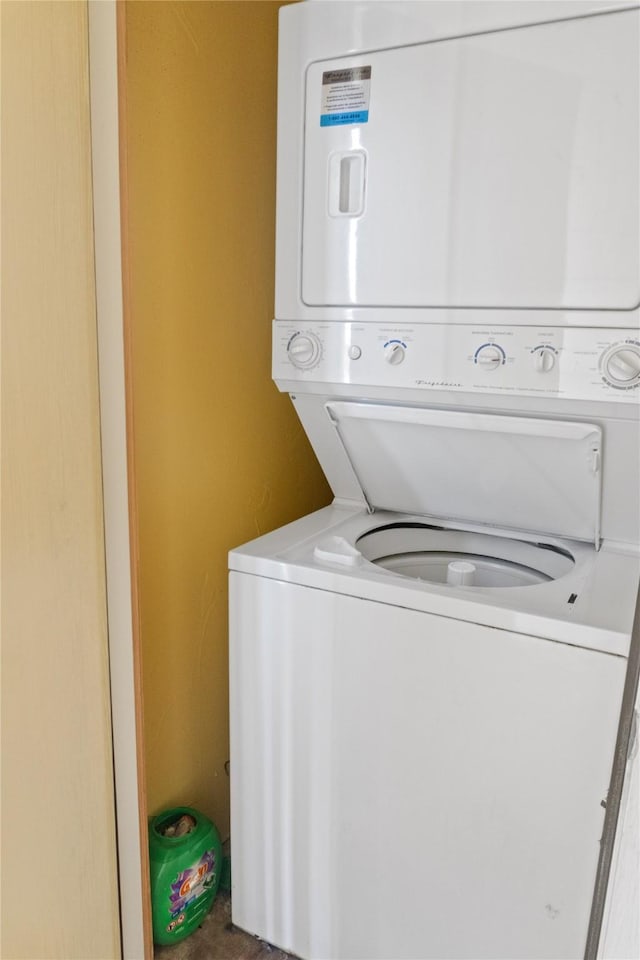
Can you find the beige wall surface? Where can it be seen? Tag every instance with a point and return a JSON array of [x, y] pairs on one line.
[[219, 454], [59, 895]]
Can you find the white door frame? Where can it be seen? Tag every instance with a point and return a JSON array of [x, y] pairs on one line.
[[126, 699]]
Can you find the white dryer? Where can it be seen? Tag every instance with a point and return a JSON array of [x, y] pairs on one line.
[[428, 676]]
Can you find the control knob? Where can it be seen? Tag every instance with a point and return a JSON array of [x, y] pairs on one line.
[[394, 353], [304, 350], [622, 365], [544, 360], [489, 357]]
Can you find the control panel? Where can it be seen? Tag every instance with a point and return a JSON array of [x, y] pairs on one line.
[[571, 363]]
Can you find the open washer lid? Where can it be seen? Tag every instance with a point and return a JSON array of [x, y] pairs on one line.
[[542, 476]]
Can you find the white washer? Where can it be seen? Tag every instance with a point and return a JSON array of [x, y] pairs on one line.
[[409, 752], [427, 677], [405, 758]]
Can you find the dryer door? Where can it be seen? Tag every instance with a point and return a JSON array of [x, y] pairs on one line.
[[495, 170]]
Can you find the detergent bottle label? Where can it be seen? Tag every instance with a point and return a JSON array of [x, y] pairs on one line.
[[190, 884]]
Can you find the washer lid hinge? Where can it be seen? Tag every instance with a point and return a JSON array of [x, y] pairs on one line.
[[336, 426]]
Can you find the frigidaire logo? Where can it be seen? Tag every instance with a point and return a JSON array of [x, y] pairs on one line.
[[437, 383]]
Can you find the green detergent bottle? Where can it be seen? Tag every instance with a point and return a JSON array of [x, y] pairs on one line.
[[185, 864]]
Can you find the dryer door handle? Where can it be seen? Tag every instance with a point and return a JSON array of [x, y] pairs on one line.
[[347, 175]]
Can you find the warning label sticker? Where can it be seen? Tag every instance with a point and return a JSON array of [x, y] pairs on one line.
[[345, 96]]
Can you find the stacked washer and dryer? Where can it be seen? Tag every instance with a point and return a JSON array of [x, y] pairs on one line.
[[432, 679]]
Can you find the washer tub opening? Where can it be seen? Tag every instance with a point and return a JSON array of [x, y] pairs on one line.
[[462, 558]]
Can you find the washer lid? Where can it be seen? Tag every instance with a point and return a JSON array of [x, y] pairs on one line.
[[542, 476]]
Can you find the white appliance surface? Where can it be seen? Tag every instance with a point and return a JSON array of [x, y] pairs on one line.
[[621, 923], [503, 471], [427, 676], [322, 551], [410, 785], [493, 168], [493, 172], [419, 770]]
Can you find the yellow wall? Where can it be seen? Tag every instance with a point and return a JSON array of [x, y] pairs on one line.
[[219, 455]]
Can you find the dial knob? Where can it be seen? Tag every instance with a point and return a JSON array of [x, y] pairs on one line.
[[304, 350], [394, 353], [544, 360], [622, 365], [489, 357]]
